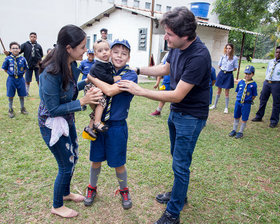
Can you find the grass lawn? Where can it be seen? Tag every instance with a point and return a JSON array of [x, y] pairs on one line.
[[232, 181]]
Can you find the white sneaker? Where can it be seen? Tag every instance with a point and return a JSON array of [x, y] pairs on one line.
[[226, 111], [212, 107]]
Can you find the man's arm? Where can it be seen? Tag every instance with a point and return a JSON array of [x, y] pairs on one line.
[[157, 70], [174, 96]]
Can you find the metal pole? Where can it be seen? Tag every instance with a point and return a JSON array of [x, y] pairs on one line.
[[255, 46], [151, 32], [240, 57]]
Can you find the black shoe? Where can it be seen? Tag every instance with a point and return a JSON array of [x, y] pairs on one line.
[[272, 125], [126, 199], [90, 132], [91, 193], [232, 133], [239, 135], [256, 119], [167, 218], [84, 107], [11, 113], [23, 110], [165, 198]]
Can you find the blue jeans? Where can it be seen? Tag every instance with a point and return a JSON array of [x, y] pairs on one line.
[[184, 131], [65, 152]]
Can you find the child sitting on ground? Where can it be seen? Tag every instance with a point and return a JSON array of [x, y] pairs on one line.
[[15, 66], [246, 92], [103, 70]]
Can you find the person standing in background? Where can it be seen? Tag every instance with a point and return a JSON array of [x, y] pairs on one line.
[[228, 63], [271, 85]]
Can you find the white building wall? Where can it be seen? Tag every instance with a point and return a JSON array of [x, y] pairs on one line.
[[215, 40], [19, 18], [124, 25]]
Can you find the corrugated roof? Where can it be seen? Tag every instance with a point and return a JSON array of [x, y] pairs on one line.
[[158, 15]]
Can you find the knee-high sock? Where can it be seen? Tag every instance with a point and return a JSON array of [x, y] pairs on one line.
[[11, 99], [235, 124], [227, 101], [94, 174], [242, 127], [216, 100], [21, 100], [122, 178]]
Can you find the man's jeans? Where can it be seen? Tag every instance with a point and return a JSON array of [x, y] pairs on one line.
[[184, 131]]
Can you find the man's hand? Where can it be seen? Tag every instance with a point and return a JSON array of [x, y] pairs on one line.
[[131, 87]]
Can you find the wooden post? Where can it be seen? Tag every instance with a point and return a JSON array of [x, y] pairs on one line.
[[240, 57]]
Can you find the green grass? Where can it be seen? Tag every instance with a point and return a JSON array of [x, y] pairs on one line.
[[232, 181]]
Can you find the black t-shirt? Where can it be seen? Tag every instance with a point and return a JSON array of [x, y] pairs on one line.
[[192, 65], [102, 71]]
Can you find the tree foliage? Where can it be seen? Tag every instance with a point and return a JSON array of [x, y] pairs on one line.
[[261, 16]]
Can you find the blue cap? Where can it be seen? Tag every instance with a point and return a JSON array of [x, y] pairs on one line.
[[249, 69], [121, 42], [90, 51]]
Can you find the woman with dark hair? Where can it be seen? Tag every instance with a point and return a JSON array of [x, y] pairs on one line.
[[228, 63], [58, 92]]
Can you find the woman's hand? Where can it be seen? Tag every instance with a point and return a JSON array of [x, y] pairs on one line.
[[92, 96], [132, 87]]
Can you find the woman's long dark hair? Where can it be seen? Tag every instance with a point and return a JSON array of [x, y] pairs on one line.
[[56, 62]]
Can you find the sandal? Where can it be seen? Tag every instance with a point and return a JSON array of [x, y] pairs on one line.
[[104, 128], [90, 131]]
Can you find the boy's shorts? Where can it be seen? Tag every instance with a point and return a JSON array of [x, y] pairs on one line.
[[14, 84], [111, 145], [242, 110], [29, 72]]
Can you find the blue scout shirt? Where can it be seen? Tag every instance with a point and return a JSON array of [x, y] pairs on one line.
[[228, 65], [121, 102], [191, 65], [85, 67], [276, 71], [251, 91], [9, 65]]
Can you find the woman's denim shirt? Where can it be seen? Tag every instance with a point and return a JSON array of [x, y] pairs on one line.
[[55, 101]]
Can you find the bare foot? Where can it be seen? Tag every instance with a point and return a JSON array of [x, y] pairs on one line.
[[74, 197], [64, 212]]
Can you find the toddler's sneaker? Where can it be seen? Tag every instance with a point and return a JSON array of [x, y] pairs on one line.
[[226, 111], [91, 194], [212, 107]]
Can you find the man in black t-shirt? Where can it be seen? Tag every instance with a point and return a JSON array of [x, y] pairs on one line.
[[189, 66]]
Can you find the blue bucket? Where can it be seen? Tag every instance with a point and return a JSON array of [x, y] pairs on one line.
[[200, 9]]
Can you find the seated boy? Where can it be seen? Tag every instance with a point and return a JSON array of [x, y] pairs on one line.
[[103, 70], [246, 92], [15, 66]]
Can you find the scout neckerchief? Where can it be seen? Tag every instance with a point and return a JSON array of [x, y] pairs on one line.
[[273, 67], [124, 71], [245, 90], [32, 49], [15, 65]]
